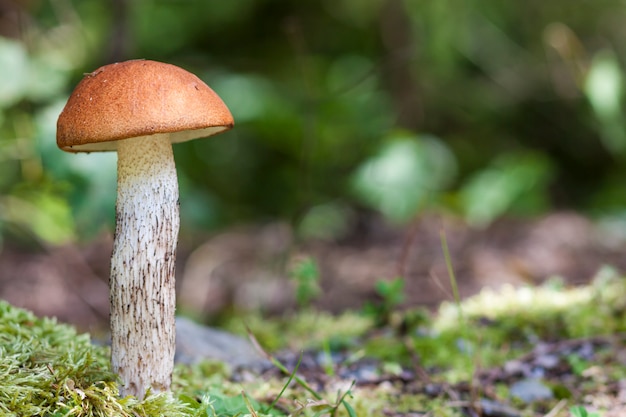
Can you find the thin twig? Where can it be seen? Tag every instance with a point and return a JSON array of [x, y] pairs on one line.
[[557, 408]]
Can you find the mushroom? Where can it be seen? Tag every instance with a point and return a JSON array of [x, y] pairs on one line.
[[139, 108]]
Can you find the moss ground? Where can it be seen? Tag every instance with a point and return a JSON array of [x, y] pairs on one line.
[[454, 362]]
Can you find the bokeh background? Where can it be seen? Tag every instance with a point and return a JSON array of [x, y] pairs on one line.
[[355, 120]]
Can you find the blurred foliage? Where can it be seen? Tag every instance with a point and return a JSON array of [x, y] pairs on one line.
[[483, 108], [509, 183], [400, 177]]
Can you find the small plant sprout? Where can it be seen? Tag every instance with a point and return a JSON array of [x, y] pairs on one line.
[[580, 411], [305, 272], [139, 108], [391, 295]]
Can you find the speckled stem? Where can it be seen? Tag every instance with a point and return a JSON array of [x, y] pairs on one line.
[[142, 281]]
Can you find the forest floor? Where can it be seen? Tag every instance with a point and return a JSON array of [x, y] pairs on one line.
[[538, 332]]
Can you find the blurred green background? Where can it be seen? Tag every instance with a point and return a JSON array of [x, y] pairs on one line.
[[342, 107]]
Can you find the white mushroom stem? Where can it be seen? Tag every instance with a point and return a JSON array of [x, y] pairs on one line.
[[142, 285]]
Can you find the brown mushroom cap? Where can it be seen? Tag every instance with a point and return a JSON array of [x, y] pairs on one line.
[[139, 98]]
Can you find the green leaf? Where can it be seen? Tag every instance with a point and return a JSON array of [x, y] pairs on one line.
[[228, 406], [578, 411], [604, 88], [13, 67], [44, 81], [511, 181], [604, 84], [406, 172], [392, 291], [44, 214], [349, 409], [239, 405], [324, 221]]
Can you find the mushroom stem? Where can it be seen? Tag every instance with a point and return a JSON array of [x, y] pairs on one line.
[[142, 282]]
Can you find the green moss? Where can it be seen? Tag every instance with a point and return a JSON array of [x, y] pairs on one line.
[[548, 312], [47, 369], [494, 326], [308, 329]]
